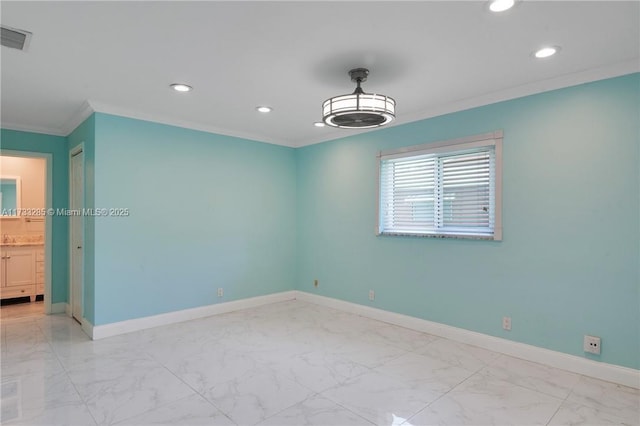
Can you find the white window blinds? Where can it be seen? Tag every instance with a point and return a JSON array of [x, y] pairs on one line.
[[449, 189]]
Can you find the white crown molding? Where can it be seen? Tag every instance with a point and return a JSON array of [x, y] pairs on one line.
[[560, 82], [124, 112], [107, 330], [53, 131], [599, 370], [85, 110]]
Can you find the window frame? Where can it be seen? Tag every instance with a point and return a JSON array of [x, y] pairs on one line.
[[441, 147]]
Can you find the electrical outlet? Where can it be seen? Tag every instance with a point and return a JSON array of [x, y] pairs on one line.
[[372, 295], [506, 323], [591, 344], [315, 283], [220, 292]]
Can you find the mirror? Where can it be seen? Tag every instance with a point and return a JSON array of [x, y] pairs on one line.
[[9, 196]]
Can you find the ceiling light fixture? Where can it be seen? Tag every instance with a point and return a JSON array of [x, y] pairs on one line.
[[358, 110], [501, 5], [318, 124], [180, 87], [545, 52], [264, 109]]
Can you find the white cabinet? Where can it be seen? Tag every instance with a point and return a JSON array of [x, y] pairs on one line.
[[18, 272], [39, 271]]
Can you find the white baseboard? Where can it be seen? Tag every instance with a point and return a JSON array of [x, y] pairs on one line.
[[128, 326], [599, 370], [59, 308]]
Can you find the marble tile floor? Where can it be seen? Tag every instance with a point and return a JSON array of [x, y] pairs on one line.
[[22, 310], [289, 363]]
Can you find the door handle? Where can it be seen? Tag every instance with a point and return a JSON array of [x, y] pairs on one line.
[[79, 247]]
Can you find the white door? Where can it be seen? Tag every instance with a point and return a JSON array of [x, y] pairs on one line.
[[76, 202]]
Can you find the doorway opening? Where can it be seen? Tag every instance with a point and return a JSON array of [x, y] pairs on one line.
[[25, 234]]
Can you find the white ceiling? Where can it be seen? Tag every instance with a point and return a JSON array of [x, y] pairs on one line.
[[432, 57]]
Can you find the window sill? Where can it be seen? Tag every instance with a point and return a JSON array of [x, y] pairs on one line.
[[453, 236]]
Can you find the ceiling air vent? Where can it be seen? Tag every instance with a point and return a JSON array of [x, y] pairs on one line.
[[15, 39]]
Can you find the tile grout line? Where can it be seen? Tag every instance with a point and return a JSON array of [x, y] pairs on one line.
[[155, 408], [190, 387], [564, 400], [66, 373], [446, 393], [57, 334]]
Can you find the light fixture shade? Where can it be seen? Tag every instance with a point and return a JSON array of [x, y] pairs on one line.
[[358, 110]]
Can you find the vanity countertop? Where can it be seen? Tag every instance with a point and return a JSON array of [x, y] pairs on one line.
[[22, 244]]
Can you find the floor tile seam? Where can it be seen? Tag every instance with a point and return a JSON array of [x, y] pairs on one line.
[[430, 342], [338, 403], [359, 364], [470, 370], [554, 414], [75, 387], [80, 369], [25, 375], [611, 413], [224, 413], [607, 410], [391, 324], [82, 400], [563, 399], [164, 404], [42, 331], [398, 377], [387, 342], [539, 392], [394, 376], [395, 357], [12, 353], [347, 408], [368, 370], [313, 395], [544, 367], [444, 394], [12, 321], [561, 405]]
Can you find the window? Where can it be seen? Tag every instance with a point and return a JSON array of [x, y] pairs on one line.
[[445, 189]]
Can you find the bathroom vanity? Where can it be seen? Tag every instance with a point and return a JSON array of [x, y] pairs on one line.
[[21, 271]]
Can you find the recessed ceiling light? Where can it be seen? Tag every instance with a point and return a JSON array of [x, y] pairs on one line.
[[545, 52], [264, 109], [501, 5], [180, 87], [318, 124]]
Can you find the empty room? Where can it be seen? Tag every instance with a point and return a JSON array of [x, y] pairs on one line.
[[320, 213]]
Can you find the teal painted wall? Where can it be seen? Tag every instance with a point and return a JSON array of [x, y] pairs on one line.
[[85, 134], [206, 211], [57, 146], [209, 211], [569, 261]]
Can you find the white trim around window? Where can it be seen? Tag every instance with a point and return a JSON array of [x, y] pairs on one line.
[[450, 189]]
